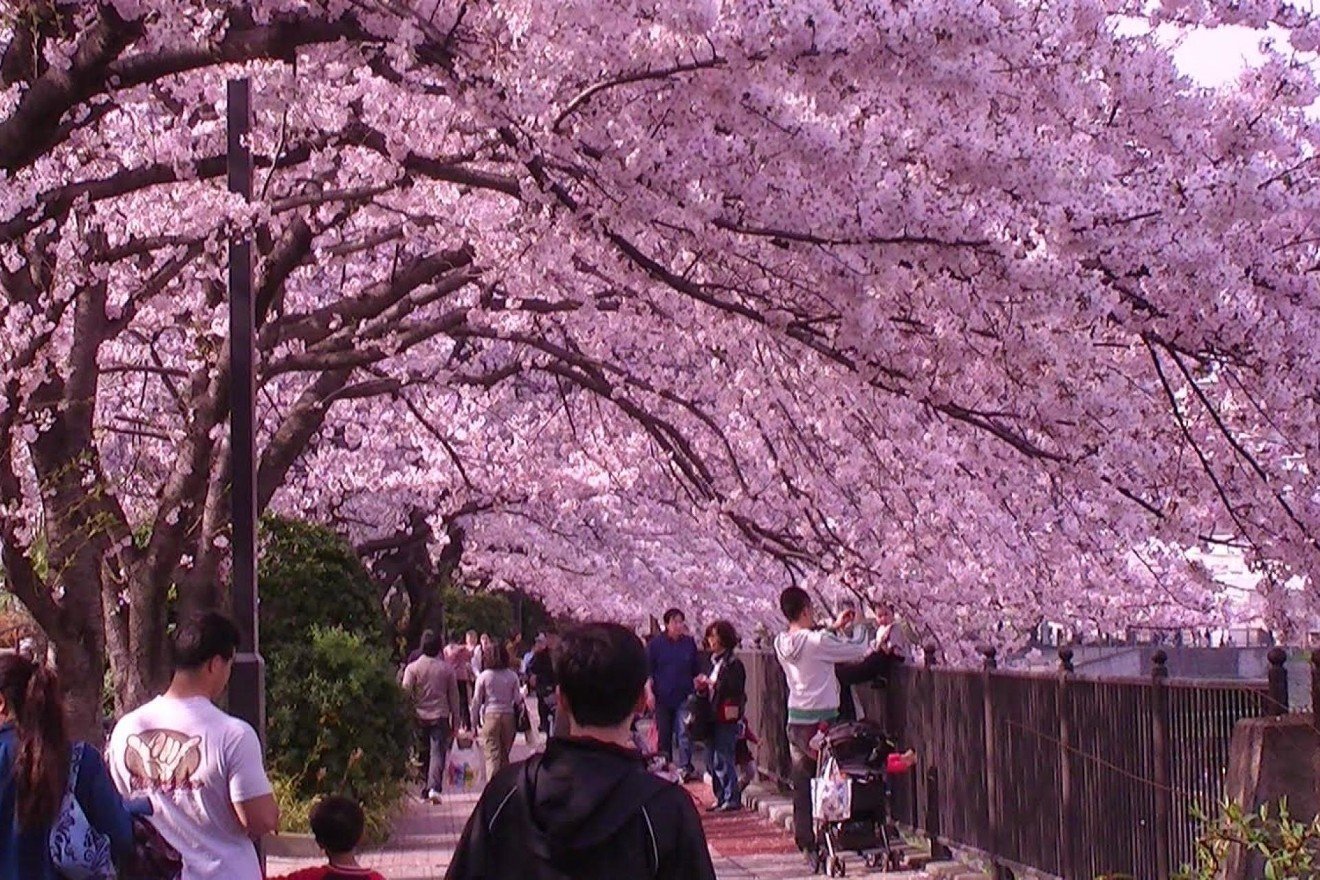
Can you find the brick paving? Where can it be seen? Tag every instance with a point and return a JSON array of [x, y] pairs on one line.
[[744, 845]]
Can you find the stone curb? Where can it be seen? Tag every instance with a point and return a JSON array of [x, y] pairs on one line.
[[778, 808], [290, 845], [774, 806]]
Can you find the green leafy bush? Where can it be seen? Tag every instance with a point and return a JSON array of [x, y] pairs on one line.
[[309, 577], [1287, 849], [382, 802], [483, 612], [338, 720]]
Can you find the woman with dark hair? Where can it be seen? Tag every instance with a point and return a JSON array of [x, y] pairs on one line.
[[494, 706], [36, 759], [727, 686]]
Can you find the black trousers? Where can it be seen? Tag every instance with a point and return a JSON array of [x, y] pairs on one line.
[[877, 665], [465, 702], [802, 771]]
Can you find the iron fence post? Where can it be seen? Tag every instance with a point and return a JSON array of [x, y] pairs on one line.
[[1278, 679], [1315, 682], [1066, 823], [938, 851], [1160, 735], [990, 664]]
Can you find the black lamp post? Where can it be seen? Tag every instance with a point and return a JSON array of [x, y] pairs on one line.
[[247, 688]]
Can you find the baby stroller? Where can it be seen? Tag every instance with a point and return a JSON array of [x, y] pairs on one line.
[[850, 796]]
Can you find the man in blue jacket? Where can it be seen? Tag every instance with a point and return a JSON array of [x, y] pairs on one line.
[[674, 664]]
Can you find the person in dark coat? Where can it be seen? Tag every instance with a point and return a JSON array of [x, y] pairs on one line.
[[542, 682], [674, 665], [726, 685], [587, 808]]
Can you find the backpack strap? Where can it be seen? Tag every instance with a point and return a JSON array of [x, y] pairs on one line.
[[75, 763]]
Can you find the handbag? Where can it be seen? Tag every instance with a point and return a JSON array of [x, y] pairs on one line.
[[728, 711], [522, 721], [77, 850], [154, 858], [831, 795]]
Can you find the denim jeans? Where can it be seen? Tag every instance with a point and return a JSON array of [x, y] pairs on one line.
[[669, 727], [723, 764], [437, 735]]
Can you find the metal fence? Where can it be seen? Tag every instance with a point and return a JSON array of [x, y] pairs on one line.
[[1076, 777]]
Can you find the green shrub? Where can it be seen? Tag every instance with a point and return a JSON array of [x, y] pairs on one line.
[[381, 803], [310, 576], [489, 613], [1287, 848], [337, 720]]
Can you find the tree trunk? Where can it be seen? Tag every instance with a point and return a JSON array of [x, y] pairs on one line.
[[136, 678], [82, 673]]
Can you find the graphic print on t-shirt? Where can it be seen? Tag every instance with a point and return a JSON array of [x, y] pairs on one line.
[[163, 760]]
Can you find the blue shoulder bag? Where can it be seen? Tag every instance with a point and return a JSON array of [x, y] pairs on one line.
[[78, 851]]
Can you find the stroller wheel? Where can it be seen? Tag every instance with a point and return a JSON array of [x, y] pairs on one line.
[[836, 867], [895, 860]]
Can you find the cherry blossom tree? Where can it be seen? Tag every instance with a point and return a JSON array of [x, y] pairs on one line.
[[981, 303]]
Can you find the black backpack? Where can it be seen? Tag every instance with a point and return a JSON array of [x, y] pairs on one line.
[[698, 717]]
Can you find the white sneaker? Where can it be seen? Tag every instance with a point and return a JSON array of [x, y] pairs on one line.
[[433, 796]]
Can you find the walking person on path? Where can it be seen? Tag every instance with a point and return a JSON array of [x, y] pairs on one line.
[[587, 807], [433, 684], [808, 656], [200, 768], [36, 760], [674, 664], [727, 686], [494, 705], [478, 647], [542, 682], [459, 656]]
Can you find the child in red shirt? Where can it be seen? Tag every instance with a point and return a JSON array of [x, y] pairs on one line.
[[337, 824]]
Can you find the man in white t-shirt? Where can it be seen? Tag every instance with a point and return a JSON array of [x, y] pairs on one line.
[[200, 768]]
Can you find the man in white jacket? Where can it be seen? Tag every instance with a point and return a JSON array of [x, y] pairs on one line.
[[808, 656]]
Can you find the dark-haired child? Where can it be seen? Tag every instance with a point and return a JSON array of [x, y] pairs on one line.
[[337, 824]]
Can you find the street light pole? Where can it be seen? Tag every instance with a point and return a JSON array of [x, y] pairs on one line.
[[247, 687]]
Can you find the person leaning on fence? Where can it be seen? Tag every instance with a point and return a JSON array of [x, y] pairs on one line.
[[808, 656], [890, 647], [36, 763], [587, 808]]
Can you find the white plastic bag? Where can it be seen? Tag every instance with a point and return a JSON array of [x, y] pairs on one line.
[[464, 770], [831, 795]]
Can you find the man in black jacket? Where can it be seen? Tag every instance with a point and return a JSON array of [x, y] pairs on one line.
[[587, 808], [541, 679]]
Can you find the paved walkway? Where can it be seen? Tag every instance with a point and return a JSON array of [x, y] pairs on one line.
[[744, 845]]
